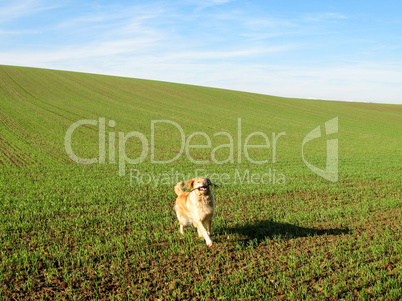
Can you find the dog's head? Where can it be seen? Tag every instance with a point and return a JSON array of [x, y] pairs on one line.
[[200, 184]]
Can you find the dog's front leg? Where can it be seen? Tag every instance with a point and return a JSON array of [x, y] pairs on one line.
[[203, 232], [208, 226]]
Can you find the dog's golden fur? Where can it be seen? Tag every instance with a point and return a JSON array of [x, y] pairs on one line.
[[196, 206]]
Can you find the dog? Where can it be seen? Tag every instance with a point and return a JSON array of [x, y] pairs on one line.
[[196, 206]]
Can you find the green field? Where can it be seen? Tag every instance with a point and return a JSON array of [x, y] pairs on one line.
[[108, 231]]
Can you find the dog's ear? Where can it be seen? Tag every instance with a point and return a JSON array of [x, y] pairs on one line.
[[209, 182], [190, 183]]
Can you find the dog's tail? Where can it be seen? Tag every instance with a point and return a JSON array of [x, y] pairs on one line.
[[179, 188]]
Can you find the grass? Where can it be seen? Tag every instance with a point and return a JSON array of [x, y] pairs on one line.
[[82, 232]]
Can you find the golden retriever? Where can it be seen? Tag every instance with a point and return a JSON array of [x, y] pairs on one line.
[[196, 206]]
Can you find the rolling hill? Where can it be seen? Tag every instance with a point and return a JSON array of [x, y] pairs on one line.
[[38, 106]]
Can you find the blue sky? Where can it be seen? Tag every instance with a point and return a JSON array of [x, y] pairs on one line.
[[337, 50]]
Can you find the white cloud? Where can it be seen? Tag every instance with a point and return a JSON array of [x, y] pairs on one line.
[[222, 55], [20, 8], [19, 32]]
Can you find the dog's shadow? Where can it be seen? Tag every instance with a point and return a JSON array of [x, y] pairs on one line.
[[266, 229]]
